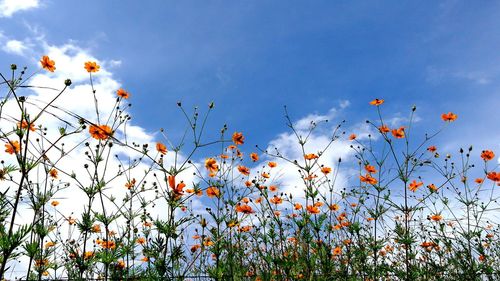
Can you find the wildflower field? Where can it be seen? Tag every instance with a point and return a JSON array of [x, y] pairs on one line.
[[215, 207]]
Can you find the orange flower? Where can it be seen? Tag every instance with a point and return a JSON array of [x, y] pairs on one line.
[[368, 179], [100, 132], [310, 156], [213, 191], [244, 170], [54, 203], [48, 64], [141, 240], [12, 147], [414, 185], [494, 176], [436, 217], [377, 102], [276, 200], [238, 138], [245, 209], [211, 165], [49, 244], [265, 175], [399, 133], [384, 129], [254, 156], [487, 155], [53, 173], [161, 148], [272, 164], [479, 180], [122, 93], [337, 251], [326, 170], [297, 206], [96, 228], [334, 207], [121, 264], [449, 117], [273, 188], [91, 66], [246, 228], [88, 255], [311, 209], [431, 148], [24, 125], [130, 183], [352, 137], [370, 169], [145, 259], [432, 187], [248, 183]]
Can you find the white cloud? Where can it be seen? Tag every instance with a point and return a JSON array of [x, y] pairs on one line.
[[9, 7], [15, 47]]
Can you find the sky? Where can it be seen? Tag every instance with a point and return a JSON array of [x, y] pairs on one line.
[[321, 59], [252, 58]]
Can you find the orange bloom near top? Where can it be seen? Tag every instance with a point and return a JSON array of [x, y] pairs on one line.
[[449, 117], [100, 132], [399, 133], [48, 64], [487, 155], [161, 148], [122, 93], [12, 147], [377, 102], [211, 165], [238, 138], [92, 66]]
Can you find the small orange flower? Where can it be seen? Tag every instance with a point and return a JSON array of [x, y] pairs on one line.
[[370, 169], [368, 179], [140, 240], [48, 64], [436, 217], [479, 180], [414, 185], [311, 209], [494, 176], [431, 148], [310, 156], [334, 207], [449, 117], [244, 170], [87, 255], [49, 244], [265, 175], [432, 187], [130, 184], [144, 259], [276, 200], [337, 251], [100, 132], [96, 228], [213, 191], [161, 148], [352, 137], [122, 93], [53, 173], [487, 155], [238, 138], [211, 165], [326, 170], [254, 156], [12, 147], [54, 203], [92, 66], [24, 125], [377, 102], [245, 209], [273, 188], [272, 164], [297, 206], [399, 133], [384, 129]]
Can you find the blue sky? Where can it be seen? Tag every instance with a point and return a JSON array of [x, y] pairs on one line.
[[253, 57]]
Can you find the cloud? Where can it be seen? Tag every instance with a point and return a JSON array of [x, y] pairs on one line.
[[10, 7], [15, 47]]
